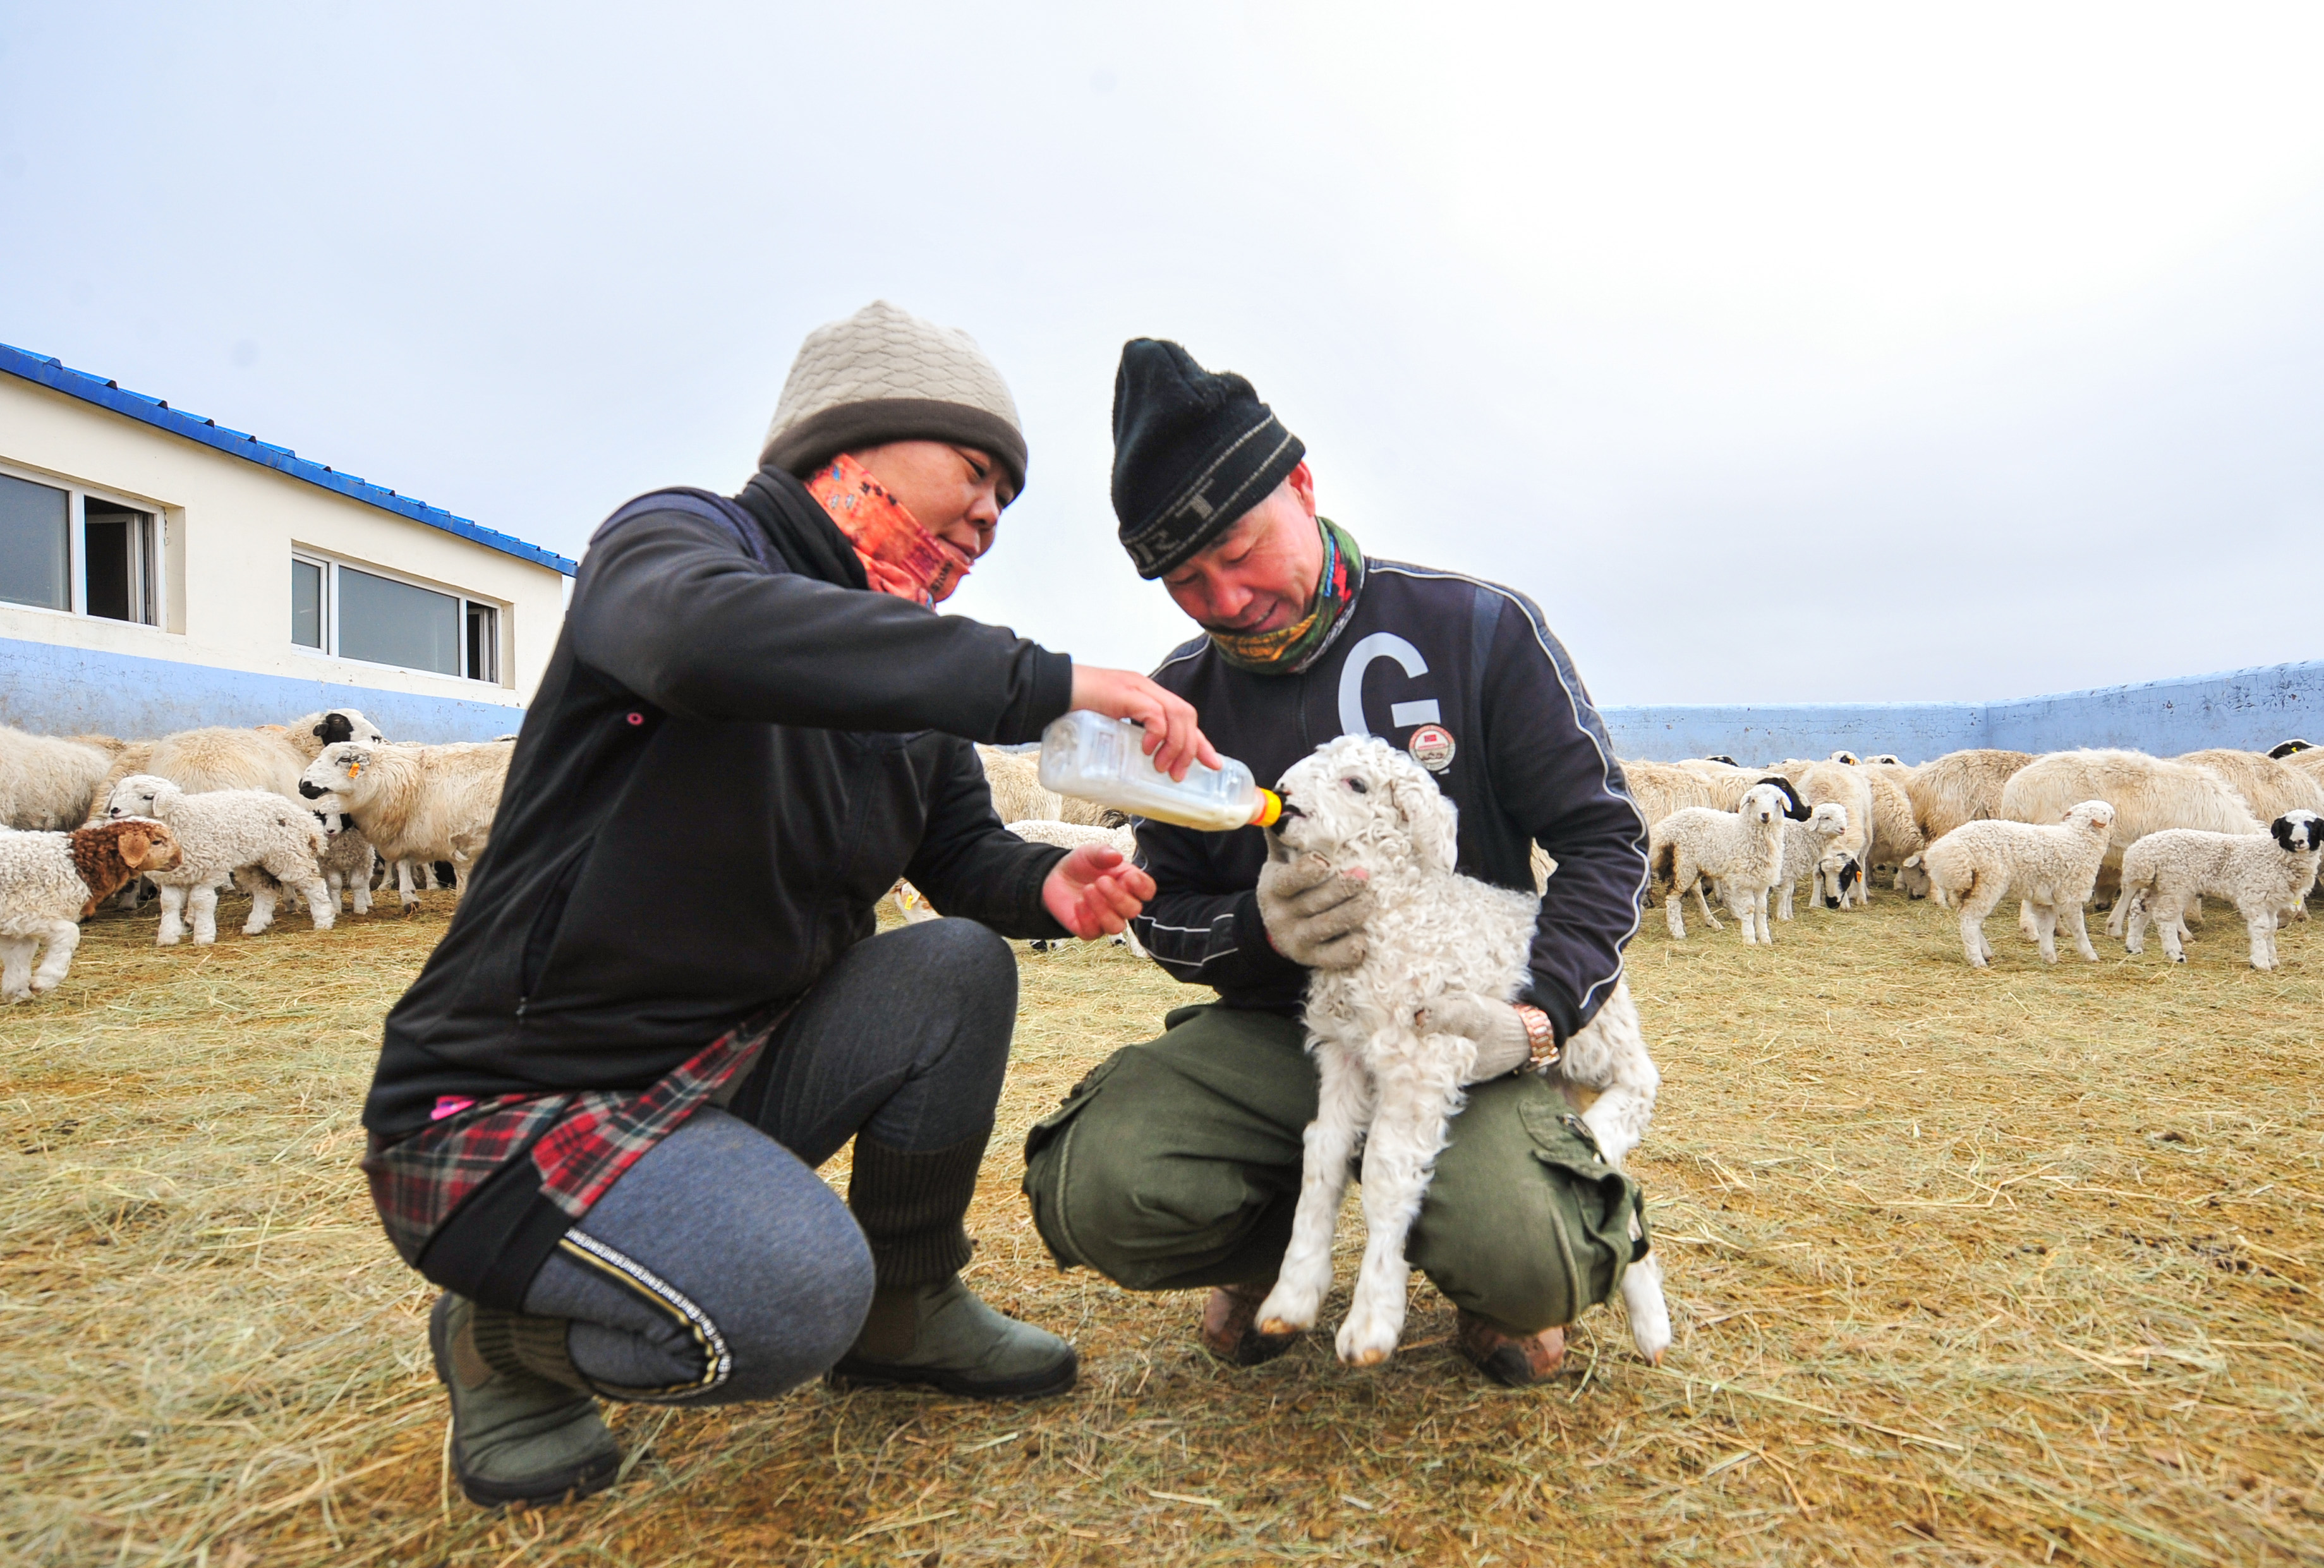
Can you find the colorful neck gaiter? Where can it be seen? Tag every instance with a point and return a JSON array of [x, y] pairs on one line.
[[1297, 645], [899, 557]]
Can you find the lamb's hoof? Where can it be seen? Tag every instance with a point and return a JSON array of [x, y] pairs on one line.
[[252, 929], [1230, 1332], [1365, 1341], [40, 985], [1512, 1361], [14, 996], [167, 941]]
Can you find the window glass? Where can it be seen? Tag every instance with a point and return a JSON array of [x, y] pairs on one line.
[[33, 528], [391, 622], [118, 557], [306, 603], [483, 641]]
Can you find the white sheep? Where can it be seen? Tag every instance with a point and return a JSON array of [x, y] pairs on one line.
[[47, 783], [1743, 849], [2265, 876], [1726, 781], [2053, 867], [1812, 849], [1359, 802], [260, 840], [2268, 785], [348, 864], [415, 803], [1960, 787], [1845, 784], [2148, 793], [51, 881], [1661, 787], [1019, 795]]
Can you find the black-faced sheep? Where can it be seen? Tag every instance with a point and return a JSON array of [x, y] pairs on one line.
[[423, 803], [2265, 876]]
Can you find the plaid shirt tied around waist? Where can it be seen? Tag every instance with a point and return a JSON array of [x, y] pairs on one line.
[[579, 1143]]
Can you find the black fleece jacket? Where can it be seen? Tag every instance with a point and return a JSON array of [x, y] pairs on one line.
[[1530, 764], [736, 749]]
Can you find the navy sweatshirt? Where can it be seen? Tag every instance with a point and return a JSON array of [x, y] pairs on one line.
[[1437, 655]]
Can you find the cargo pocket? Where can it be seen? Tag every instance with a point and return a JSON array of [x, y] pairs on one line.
[[1048, 1165], [1592, 1206]]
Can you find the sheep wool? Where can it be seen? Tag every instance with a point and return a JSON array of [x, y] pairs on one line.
[[1357, 801], [1960, 787], [50, 881], [1742, 850], [2051, 867], [46, 783], [2265, 876], [2148, 793], [414, 803], [253, 836]]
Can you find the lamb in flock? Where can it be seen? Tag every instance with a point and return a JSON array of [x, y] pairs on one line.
[[2265, 876], [1438, 936], [1742, 850], [51, 881], [2051, 867], [263, 842]]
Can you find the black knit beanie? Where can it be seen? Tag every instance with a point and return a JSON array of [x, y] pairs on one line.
[[1192, 451]]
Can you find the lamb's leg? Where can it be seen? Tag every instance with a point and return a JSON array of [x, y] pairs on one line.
[[263, 892], [17, 967], [2045, 931], [1759, 914], [1975, 907], [410, 900], [202, 903], [1702, 902], [173, 925], [321, 903], [2261, 922], [362, 890], [1674, 915], [2078, 928], [2119, 917], [1613, 1050], [2167, 927], [1343, 1105], [64, 936], [132, 895], [1406, 1134], [1642, 1299], [1784, 910], [2027, 926], [2131, 910]]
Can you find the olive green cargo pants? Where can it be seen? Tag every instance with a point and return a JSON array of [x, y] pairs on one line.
[[1176, 1164]]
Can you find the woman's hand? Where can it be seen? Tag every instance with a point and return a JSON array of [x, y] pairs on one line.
[[1173, 738], [1092, 892]]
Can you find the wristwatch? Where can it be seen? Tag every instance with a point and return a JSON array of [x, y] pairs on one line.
[[1540, 1037]]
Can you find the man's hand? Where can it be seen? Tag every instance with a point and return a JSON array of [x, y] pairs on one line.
[[1092, 892], [1503, 1045], [1315, 915], [1173, 738]]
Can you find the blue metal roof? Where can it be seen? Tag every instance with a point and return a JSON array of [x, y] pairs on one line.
[[107, 394]]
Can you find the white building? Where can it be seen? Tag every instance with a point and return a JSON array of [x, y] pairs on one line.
[[158, 571]]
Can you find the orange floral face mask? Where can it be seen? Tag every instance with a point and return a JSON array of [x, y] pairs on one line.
[[899, 555]]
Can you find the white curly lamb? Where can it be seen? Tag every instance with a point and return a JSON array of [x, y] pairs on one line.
[[1813, 849], [348, 863], [1360, 803], [2051, 867], [2265, 876], [1742, 849], [256, 837]]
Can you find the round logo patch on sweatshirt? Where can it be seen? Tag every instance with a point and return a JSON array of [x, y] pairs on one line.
[[1431, 747]]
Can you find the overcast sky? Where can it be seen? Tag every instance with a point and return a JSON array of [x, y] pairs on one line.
[[1781, 352]]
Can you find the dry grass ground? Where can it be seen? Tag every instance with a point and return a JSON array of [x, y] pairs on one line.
[[1966, 1268]]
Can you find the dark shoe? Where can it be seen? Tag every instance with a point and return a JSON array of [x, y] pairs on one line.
[[1229, 1327], [517, 1437], [941, 1336], [1512, 1361]]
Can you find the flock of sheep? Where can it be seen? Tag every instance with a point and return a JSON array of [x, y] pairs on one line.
[[317, 807], [1974, 827]]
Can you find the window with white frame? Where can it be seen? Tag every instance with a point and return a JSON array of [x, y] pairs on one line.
[[361, 612], [66, 547]]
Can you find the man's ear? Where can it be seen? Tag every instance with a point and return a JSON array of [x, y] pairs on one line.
[[1301, 481]]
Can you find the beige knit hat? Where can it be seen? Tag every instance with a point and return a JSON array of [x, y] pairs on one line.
[[884, 374]]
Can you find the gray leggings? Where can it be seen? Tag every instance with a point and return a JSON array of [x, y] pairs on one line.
[[721, 1267]]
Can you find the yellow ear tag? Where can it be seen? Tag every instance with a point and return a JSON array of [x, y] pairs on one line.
[[354, 768]]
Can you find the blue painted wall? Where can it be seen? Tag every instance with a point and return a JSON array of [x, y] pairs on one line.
[[2252, 709], [53, 690]]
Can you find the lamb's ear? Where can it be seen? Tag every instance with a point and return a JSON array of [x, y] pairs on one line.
[[1795, 811], [134, 846], [2288, 749], [1428, 816], [2283, 827]]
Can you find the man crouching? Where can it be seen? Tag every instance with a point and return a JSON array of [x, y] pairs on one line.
[[1176, 1163]]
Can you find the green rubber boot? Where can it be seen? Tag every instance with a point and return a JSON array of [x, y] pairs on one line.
[[517, 1436], [941, 1336]]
